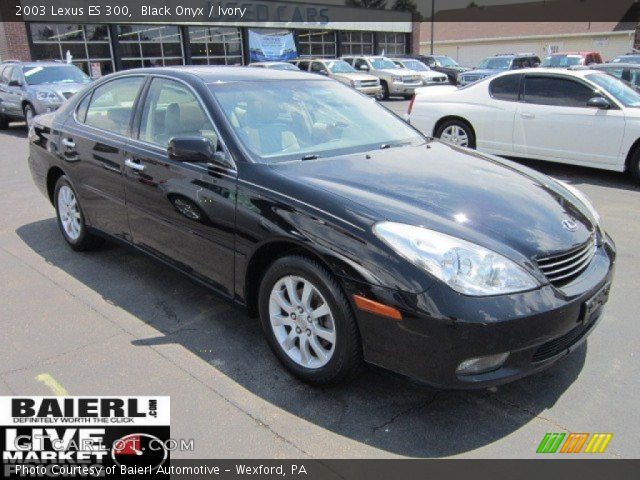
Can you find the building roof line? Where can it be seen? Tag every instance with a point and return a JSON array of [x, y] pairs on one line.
[[531, 37]]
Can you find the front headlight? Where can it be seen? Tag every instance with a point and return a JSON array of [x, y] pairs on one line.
[[582, 198], [467, 268], [355, 83], [49, 97]]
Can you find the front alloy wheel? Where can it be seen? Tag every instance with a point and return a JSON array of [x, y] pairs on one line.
[[302, 321], [308, 321]]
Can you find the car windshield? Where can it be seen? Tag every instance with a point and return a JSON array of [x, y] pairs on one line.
[[40, 75], [383, 63], [445, 61], [561, 61], [282, 66], [303, 120], [415, 65], [340, 66], [495, 63], [629, 59], [618, 89]]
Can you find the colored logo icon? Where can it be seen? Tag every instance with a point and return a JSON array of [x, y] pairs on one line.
[[574, 443]]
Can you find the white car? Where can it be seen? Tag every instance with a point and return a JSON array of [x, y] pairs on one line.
[[581, 117], [429, 77]]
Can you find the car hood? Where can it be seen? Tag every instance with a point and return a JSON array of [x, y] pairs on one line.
[[65, 90], [431, 74], [480, 198], [399, 71], [355, 76], [483, 71]]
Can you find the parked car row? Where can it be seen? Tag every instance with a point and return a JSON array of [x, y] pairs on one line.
[[582, 117]]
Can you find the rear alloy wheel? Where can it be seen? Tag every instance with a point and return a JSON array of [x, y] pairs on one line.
[[457, 133], [29, 113], [70, 217], [308, 321]]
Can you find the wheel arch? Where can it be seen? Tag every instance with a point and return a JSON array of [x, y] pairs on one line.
[[448, 118], [53, 175], [630, 154], [264, 256]]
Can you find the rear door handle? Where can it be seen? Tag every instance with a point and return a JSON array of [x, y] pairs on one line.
[[134, 165], [527, 115], [67, 142]]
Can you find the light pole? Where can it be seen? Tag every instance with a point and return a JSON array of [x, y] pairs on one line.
[[433, 10]]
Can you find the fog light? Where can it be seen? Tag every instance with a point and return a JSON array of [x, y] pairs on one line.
[[474, 366]]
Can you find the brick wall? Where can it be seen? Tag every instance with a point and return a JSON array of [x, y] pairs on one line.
[[13, 35], [415, 37]]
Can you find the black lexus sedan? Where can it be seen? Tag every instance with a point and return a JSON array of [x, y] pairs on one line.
[[352, 236]]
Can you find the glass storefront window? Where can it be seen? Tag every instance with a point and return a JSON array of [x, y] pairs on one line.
[[392, 43], [216, 45], [150, 45], [317, 43], [89, 45], [357, 43]]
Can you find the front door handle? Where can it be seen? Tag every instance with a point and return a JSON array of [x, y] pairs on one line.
[[527, 115], [67, 142], [134, 165]]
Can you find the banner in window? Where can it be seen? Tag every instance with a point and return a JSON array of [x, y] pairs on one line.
[[271, 46]]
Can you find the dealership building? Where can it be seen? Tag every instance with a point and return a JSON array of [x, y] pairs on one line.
[[100, 48]]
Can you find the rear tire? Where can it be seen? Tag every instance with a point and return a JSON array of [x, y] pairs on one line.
[[314, 336], [4, 122], [456, 132], [71, 220]]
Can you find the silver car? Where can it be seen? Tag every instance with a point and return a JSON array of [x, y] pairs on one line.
[[344, 73], [28, 89], [394, 79]]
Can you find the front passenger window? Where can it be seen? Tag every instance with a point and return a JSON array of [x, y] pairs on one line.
[[111, 105], [172, 110]]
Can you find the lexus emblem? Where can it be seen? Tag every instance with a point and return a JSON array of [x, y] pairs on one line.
[[570, 224]]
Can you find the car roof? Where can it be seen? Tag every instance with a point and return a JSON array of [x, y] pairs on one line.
[[616, 64], [211, 74], [558, 54], [551, 71], [36, 64]]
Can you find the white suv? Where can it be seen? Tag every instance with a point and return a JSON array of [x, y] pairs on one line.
[[395, 80], [581, 117]]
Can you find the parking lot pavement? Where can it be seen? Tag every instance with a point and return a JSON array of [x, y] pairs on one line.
[[115, 322]]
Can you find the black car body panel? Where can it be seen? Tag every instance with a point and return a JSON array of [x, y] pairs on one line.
[[222, 224]]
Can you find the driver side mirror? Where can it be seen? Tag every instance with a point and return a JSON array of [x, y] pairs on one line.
[[599, 102], [197, 150]]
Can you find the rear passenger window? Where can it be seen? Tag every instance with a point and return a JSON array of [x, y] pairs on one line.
[[556, 91], [111, 105], [172, 110], [505, 87]]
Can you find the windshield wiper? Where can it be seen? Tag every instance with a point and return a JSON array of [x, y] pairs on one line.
[[311, 156], [384, 146]]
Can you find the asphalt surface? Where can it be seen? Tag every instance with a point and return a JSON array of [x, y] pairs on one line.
[[113, 322]]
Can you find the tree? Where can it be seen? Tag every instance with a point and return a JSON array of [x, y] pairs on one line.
[[407, 6], [368, 3]]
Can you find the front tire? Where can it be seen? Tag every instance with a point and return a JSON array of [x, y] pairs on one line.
[[4, 122], [71, 220], [457, 132], [634, 165], [385, 90], [308, 321]]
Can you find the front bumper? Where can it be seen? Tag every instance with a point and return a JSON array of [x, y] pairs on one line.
[[373, 91], [440, 328], [403, 88]]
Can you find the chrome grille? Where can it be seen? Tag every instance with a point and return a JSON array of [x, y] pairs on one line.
[[411, 80], [369, 83], [560, 269]]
